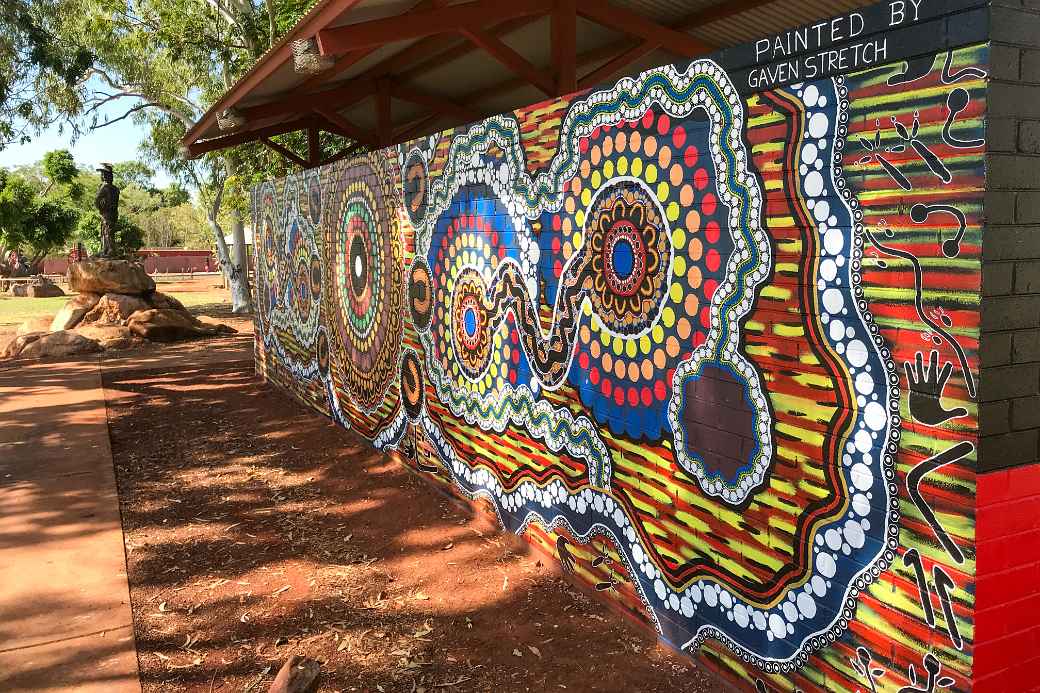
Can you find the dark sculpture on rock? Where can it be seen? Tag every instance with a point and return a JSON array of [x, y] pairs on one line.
[[107, 203]]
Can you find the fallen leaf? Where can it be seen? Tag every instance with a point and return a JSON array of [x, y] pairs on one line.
[[535, 651], [280, 590], [517, 653]]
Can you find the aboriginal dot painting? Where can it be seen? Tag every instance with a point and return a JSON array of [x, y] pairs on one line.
[[715, 351]]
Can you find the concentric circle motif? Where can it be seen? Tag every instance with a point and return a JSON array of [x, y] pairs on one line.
[[628, 242], [314, 199], [469, 323], [316, 274], [364, 257], [413, 384], [416, 187], [323, 352], [420, 295]]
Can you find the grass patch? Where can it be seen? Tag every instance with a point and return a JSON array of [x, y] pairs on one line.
[[15, 311]]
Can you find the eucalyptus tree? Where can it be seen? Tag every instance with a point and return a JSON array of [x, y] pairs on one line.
[[162, 63], [39, 70]]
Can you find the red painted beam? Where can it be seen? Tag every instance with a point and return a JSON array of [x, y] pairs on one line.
[[511, 59], [626, 53], [415, 25], [564, 29], [196, 149], [634, 24], [313, 147], [297, 101], [318, 17], [450, 48], [288, 154], [341, 126], [384, 114], [434, 102], [617, 64]]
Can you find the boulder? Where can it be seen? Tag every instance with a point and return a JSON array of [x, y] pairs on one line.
[[46, 290], [15, 346], [220, 327], [167, 325], [101, 332], [101, 276], [73, 311], [113, 309], [57, 344], [157, 299], [111, 337], [121, 343], [38, 324]]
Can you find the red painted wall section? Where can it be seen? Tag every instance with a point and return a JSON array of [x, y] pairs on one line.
[[1007, 599]]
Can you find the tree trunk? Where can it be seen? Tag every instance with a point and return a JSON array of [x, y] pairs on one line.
[[241, 257], [237, 279]]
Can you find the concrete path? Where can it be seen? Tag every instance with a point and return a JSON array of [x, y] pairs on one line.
[[65, 621], [65, 618]]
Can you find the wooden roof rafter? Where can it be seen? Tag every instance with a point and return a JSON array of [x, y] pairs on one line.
[[437, 32]]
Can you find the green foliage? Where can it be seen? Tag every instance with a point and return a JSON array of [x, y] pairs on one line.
[[29, 222], [132, 173], [39, 67], [129, 237], [59, 166]]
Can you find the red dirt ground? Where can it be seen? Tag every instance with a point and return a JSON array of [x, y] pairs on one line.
[[256, 530]]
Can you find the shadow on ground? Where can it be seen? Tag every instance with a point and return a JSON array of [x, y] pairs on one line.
[[256, 530]]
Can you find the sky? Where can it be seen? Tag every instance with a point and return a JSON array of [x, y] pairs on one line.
[[117, 142]]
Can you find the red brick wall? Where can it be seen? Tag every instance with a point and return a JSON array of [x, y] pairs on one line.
[[1007, 563]]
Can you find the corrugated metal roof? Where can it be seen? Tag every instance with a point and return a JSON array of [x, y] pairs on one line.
[[481, 82]]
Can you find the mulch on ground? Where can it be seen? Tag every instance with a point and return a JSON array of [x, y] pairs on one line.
[[256, 530]]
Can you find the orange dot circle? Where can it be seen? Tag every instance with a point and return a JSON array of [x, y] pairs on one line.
[[646, 369], [675, 174], [695, 249], [693, 219], [585, 166], [672, 346], [594, 349], [682, 328], [620, 141], [608, 146], [693, 276], [595, 155], [633, 371], [650, 145], [659, 358], [686, 195], [619, 369], [635, 142], [664, 157], [584, 334]]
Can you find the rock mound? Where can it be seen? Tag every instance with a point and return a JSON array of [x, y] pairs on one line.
[[101, 276], [72, 312], [170, 325], [39, 345], [114, 309], [117, 308]]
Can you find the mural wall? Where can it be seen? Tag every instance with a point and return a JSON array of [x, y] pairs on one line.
[[715, 350]]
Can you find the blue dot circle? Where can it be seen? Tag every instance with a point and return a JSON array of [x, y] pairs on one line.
[[623, 258]]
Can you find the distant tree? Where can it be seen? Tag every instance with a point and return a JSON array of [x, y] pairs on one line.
[[59, 167], [127, 173], [30, 223]]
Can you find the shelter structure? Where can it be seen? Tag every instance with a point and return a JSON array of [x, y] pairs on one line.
[[739, 321]]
